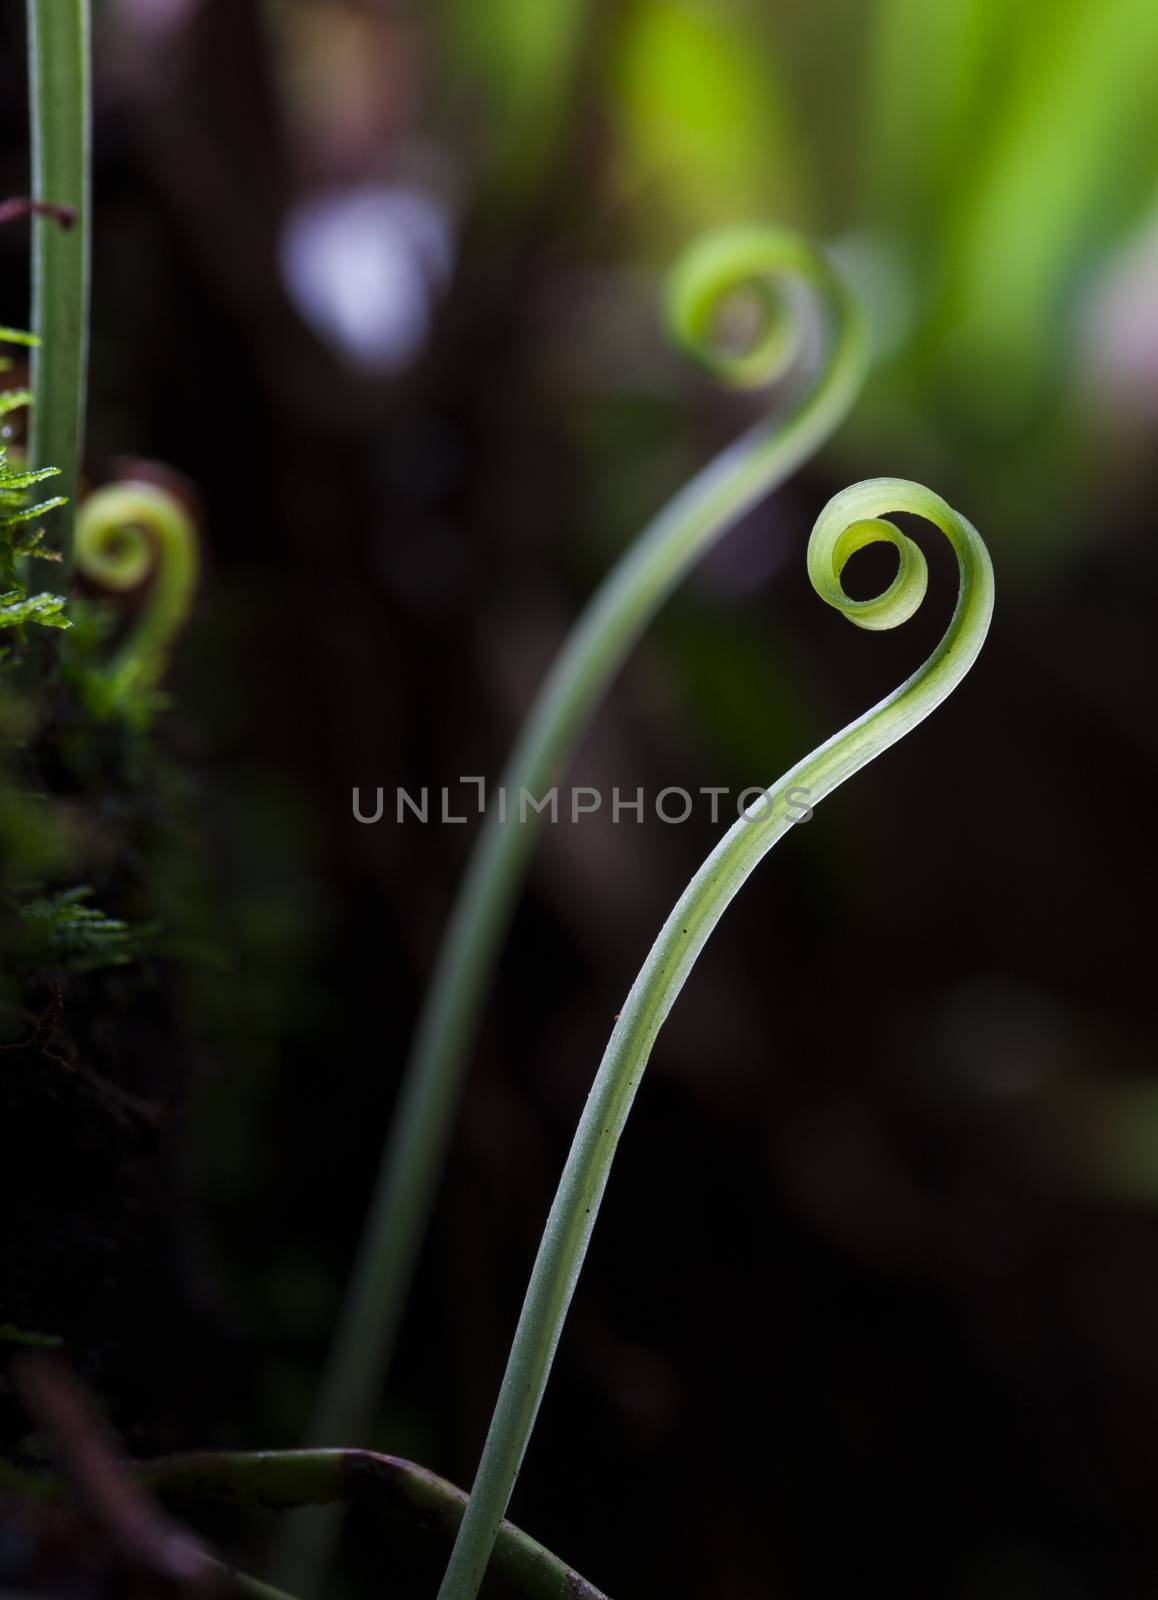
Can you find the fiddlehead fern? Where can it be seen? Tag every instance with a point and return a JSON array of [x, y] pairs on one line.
[[850, 521], [127, 533], [754, 259]]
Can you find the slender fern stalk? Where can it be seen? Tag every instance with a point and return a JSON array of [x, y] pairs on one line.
[[723, 263], [60, 94], [850, 521]]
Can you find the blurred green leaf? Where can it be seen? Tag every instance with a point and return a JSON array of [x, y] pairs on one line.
[[1069, 166], [514, 61], [703, 124]]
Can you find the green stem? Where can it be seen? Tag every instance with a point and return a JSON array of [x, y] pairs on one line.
[[613, 621], [240, 1583], [60, 91], [850, 521]]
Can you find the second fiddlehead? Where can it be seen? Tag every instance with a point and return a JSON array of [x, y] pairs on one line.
[[127, 533], [750, 258], [851, 520], [756, 259]]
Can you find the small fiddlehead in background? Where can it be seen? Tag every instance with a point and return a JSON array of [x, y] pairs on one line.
[[850, 521], [126, 534], [754, 259]]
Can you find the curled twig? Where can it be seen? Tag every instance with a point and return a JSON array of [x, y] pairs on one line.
[[286, 1480]]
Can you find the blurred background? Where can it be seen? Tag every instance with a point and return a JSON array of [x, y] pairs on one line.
[[873, 1294]]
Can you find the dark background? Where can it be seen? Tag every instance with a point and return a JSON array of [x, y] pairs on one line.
[[873, 1294]]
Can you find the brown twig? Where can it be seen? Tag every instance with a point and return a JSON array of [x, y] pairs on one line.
[[25, 206], [140, 1535]]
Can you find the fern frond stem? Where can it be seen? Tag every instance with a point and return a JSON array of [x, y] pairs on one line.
[[236, 1582], [60, 93], [851, 520], [672, 543]]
